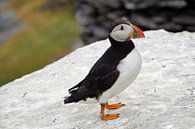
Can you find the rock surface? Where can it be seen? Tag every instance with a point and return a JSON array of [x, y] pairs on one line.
[[162, 97]]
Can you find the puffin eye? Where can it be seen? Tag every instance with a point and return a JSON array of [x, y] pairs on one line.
[[121, 28]]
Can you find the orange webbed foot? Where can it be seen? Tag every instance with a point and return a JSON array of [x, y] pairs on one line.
[[114, 106], [110, 117]]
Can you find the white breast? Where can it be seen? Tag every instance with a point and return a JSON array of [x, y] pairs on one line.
[[129, 68]]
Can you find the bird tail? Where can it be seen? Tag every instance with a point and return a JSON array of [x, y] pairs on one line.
[[75, 88], [77, 95], [78, 92], [72, 98]]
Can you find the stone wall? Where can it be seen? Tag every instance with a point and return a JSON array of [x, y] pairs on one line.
[[96, 15]]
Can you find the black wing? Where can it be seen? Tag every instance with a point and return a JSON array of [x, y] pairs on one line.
[[97, 81], [100, 78]]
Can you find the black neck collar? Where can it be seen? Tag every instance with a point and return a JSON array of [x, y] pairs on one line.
[[126, 45]]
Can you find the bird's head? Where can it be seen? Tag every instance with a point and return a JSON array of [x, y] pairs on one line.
[[122, 30]]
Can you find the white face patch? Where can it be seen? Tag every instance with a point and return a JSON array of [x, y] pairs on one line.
[[121, 32]]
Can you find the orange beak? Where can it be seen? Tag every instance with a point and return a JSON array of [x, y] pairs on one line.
[[139, 31], [131, 35]]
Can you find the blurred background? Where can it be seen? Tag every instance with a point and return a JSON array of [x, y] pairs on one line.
[[34, 33]]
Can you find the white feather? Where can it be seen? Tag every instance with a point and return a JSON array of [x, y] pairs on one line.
[[121, 35], [129, 68]]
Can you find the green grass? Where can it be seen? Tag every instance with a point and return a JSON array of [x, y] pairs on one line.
[[46, 38]]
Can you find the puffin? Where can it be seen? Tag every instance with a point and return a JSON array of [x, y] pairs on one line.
[[113, 72]]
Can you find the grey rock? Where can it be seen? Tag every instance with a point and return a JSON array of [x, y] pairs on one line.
[[87, 37], [93, 33], [184, 19], [113, 15], [84, 19], [190, 28], [143, 4], [159, 19], [171, 26], [173, 3], [100, 32], [172, 15], [103, 21], [144, 21], [105, 3]]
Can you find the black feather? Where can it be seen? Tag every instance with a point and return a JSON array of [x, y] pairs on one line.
[[103, 74]]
